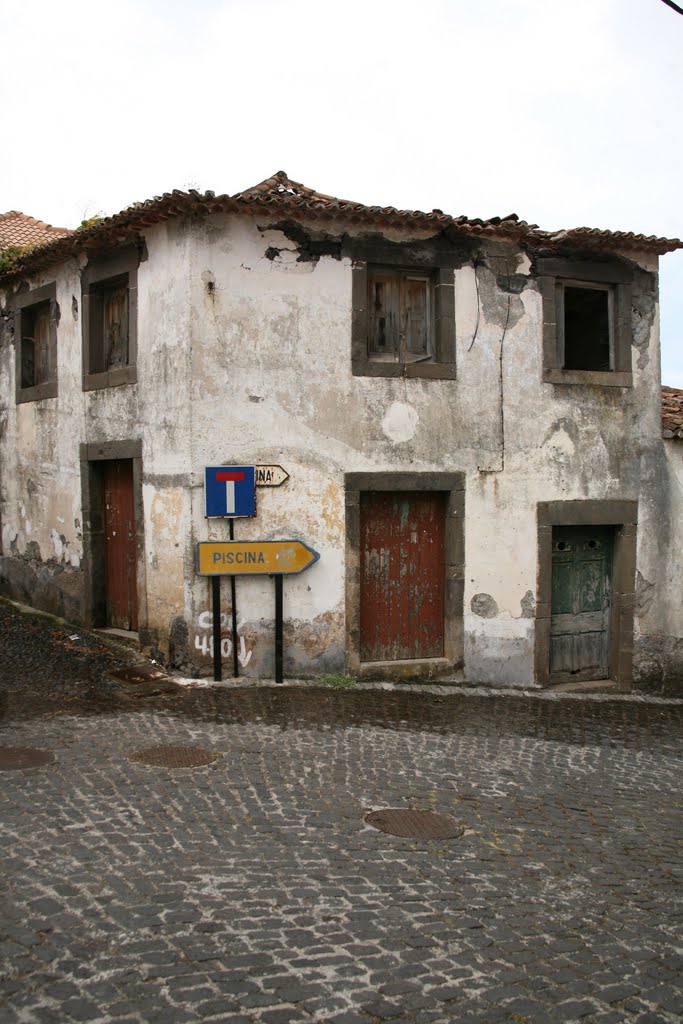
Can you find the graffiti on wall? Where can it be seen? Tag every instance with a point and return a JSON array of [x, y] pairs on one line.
[[204, 641]]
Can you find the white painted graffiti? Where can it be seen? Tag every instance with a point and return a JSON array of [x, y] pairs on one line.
[[204, 643]]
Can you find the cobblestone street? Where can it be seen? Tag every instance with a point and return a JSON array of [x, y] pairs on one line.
[[251, 889]]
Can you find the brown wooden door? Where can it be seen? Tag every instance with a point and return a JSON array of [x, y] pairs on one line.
[[581, 600], [119, 544], [402, 575]]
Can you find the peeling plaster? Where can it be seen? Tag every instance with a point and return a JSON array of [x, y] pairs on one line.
[[484, 606], [502, 308], [399, 422], [645, 592], [644, 299]]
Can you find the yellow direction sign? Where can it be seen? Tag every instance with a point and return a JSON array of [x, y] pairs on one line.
[[254, 557]]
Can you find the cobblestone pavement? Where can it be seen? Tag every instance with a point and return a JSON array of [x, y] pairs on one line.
[[252, 890]]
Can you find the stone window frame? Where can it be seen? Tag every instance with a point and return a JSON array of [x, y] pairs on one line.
[[20, 303], [623, 517], [419, 258], [94, 614], [95, 276], [554, 274], [453, 484]]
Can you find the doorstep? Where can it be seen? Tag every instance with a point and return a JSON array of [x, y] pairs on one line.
[[587, 686], [427, 670], [129, 636]]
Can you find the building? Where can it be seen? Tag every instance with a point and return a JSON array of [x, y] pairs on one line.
[[18, 231], [469, 412]]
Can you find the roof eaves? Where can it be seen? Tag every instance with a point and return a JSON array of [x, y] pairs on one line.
[[299, 201], [597, 238]]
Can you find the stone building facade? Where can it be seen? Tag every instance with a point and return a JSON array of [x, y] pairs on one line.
[[469, 412]]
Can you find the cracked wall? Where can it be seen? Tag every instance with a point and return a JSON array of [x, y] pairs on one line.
[[244, 332]]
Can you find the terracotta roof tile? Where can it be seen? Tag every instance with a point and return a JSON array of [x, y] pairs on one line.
[[287, 198], [281, 190], [18, 229], [672, 412]]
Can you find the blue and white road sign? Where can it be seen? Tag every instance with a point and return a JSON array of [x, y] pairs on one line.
[[230, 491]]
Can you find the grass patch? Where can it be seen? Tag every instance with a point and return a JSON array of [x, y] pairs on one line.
[[340, 682]]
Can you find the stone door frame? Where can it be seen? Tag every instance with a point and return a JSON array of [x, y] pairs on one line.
[[623, 516], [453, 484]]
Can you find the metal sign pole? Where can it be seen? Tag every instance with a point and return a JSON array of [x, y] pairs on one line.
[[216, 601], [278, 629], [233, 596]]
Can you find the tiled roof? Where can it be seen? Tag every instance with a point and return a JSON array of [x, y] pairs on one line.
[[672, 412], [283, 192], [288, 199], [18, 229]]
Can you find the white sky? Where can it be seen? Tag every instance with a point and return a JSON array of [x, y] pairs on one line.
[[566, 112]]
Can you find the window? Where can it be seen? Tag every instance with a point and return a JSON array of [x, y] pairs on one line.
[[403, 321], [400, 316], [586, 326], [586, 323], [36, 315], [110, 321]]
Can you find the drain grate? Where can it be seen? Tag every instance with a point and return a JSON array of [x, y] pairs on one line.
[[174, 757], [16, 758], [397, 821]]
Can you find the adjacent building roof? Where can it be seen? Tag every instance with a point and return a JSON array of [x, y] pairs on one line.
[[672, 412], [287, 199], [18, 229]]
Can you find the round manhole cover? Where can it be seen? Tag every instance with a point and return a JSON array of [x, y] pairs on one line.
[[397, 821], [174, 757], [15, 758]]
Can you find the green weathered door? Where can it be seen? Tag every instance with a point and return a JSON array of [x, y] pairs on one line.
[[581, 597]]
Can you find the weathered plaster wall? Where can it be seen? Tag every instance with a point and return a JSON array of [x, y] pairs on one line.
[[244, 357], [555, 442], [42, 523], [659, 593], [42, 517], [157, 411], [284, 326], [272, 373]]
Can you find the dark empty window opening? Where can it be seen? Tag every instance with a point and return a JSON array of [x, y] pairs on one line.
[[586, 327], [400, 305], [35, 345]]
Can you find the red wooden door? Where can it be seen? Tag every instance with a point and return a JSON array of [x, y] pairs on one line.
[[402, 575], [119, 544]]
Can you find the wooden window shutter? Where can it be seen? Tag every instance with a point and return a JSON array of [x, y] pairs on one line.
[[444, 316], [41, 338], [95, 323], [116, 324], [383, 315], [415, 313], [28, 351]]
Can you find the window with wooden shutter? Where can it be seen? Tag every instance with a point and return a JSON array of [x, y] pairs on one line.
[[110, 320], [399, 316], [35, 345], [35, 324], [115, 322], [403, 320]]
